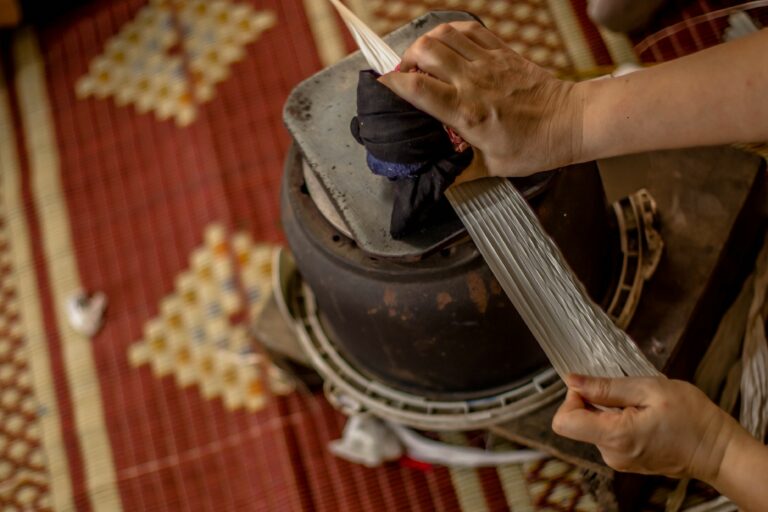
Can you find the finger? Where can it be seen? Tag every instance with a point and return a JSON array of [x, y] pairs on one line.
[[458, 42], [616, 392], [428, 94], [573, 420], [479, 34], [434, 57], [572, 402]]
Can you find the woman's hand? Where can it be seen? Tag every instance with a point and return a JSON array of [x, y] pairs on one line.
[[663, 426], [521, 118]]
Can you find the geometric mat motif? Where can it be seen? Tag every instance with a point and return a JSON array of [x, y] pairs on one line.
[[555, 485], [199, 337], [171, 55], [527, 26], [24, 477]]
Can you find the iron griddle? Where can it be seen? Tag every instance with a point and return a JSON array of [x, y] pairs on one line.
[[318, 113]]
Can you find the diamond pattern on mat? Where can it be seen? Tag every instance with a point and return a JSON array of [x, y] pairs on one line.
[[554, 486], [526, 25], [24, 478], [171, 55], [199, 336]]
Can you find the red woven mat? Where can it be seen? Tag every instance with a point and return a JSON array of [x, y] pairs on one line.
[[141, 150], [685, 26]]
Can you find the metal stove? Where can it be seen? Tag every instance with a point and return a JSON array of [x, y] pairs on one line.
[[418, 329], [430, 340]]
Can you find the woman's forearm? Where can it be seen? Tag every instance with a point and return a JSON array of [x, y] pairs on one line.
[[743, 474], [716, 96]]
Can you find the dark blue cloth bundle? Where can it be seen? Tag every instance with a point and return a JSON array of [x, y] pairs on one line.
[[409, 147]]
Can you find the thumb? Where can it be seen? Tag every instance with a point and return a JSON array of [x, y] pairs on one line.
[[609, 392], [424, 92]]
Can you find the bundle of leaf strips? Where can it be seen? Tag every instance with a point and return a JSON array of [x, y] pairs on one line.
[[576, 335]]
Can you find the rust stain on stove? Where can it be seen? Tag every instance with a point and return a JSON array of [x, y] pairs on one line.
[[443, 299], [478, 293], [390, 301], [390, 297]]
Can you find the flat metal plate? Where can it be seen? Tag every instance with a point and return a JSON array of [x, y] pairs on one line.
[[318, 114]]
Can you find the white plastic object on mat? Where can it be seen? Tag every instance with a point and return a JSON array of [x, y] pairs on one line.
[[86, 312], [368, 441]]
